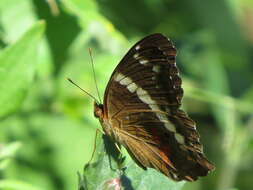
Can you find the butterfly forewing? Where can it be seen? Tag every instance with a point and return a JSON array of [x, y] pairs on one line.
[[141, 111]]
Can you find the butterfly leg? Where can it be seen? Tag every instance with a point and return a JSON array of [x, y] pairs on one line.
[[95, 145], [118, 147], [121, 160]]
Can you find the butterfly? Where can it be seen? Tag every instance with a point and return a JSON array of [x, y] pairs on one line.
[[141, 111]]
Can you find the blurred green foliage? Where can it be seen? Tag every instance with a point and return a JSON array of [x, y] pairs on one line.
[[47, 126]]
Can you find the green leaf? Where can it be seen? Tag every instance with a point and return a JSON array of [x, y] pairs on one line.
[[96, 25], [24, 15], [6, 152], [9, 149], [150, 179], [17, 68], [16, 185], [110, 171]]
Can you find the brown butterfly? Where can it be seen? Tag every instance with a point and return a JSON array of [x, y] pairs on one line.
[[141, 112]]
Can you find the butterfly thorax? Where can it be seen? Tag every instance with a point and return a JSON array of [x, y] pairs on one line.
[[100, 114]]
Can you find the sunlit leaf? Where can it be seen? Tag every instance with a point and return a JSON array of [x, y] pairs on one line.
[[6, 152], [16, 18], [16, 185], [99, 27], [17, 68]]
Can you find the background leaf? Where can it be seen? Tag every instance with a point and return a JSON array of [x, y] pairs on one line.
[[16, 70], [15, 185], [7, 152]]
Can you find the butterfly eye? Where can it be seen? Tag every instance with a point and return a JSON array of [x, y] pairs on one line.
[[98, 110]]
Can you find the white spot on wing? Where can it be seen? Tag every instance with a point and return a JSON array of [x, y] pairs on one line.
[[118, 77], [144, 97], [141, 92], [143, 61], [179, 138], [162, 117], [137, 47], [126, 81], [132, 87], [156, 68], [136, 55], [170, 127], [154, 107]]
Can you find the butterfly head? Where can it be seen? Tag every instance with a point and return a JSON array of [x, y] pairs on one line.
[[98, 111]]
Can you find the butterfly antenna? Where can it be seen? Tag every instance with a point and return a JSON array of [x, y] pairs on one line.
[[94, 75], [83, 90]]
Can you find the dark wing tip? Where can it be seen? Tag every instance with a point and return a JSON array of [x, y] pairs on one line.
[[201, 169]]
